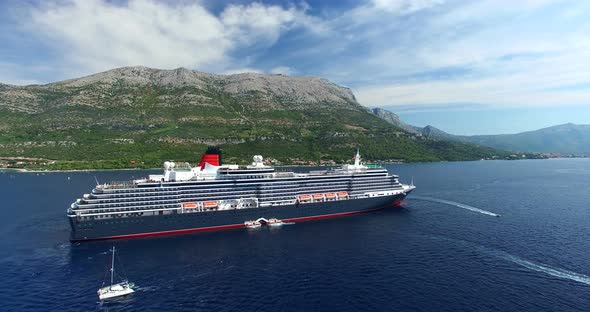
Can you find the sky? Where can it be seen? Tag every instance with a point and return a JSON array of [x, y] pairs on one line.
[[466, 67]]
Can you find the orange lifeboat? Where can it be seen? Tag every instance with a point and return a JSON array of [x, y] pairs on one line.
[[189, 205], [318, 196], [210, 204], [330, 195], [342, 194], [304, 197]]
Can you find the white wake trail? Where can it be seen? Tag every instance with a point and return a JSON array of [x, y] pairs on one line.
[[456, 204], [537, 267], [556, 272]]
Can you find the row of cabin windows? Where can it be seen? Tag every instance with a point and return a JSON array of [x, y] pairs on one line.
[[90, 225], [169, 189], [120, 204], [169, 192], [140, 192], [160, 194], [162, 198], [112, 216], [245, 177], [121, 218], [103, 206], [151, 189], [162, 201], [130, 210]]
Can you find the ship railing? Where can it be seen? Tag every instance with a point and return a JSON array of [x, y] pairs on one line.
[[165, 187], [164, 198], [121, 214], [284, 174], [125, 209], [154, 194], [127, 204], [117, 185], [277, 203]]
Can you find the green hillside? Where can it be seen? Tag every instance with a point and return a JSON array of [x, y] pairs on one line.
[[139, 117]]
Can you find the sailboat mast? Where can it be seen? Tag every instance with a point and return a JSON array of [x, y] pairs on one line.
[[113, 266]]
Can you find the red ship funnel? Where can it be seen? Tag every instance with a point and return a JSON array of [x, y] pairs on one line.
[[212, 156]]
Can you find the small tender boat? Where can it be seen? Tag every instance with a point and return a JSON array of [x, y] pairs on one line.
[[274, 222], [189, 205], [318, 197], [330, 195], [210, 204], [342, 194], [304, 197], [252, 224], [114, 290]]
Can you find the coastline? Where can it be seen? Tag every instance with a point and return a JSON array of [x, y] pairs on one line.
[[36, 170], [25, 170]]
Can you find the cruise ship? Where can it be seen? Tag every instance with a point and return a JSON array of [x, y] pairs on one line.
[[213, 196]]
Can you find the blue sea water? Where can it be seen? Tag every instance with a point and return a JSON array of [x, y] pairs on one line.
[[443, 251]]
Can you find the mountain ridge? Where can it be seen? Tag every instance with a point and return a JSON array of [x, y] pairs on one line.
[[306, 89], [147, 115], [568, 138], [394, 119]]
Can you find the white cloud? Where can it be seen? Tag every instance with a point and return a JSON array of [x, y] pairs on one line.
[[264, 24], [527, 82], [95, 35], [500, 53], [392, 52], [404, 6]]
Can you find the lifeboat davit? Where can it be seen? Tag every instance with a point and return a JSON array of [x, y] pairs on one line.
[[304, 197], [189, 205], [318, 196], [330, 195], [342, 194], [210, 204]]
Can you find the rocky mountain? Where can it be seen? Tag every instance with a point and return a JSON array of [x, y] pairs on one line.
[[561, 139], [427, 132], [435, 133], [394, 119], [144, 115], [565, 139], [104, 89]]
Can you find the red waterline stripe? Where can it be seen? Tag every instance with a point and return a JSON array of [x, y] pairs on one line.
[[231, 226], [340, 214], [183, 231]]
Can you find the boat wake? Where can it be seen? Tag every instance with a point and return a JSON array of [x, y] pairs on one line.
[[556, 272], [145, 288], [456, 204], [533, 266]]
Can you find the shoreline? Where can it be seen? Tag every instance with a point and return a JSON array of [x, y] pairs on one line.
[[25, 170]]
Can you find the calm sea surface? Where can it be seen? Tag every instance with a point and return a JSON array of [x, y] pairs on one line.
[[444, 251]]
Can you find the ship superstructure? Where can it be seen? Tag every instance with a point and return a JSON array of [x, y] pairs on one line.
[[213, 196]]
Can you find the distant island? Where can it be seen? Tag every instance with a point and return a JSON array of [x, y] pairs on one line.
[[137, 117]]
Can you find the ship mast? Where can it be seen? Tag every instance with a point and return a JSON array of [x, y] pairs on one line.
[[113, 266], [357, 158]]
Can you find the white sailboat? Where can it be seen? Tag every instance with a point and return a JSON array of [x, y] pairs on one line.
[[114, 290]]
